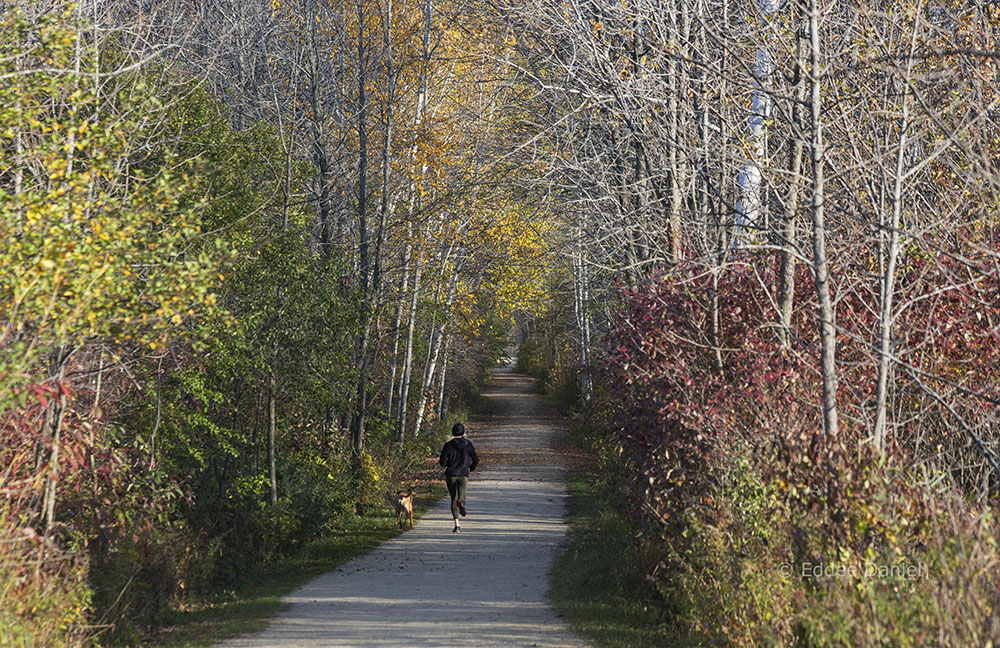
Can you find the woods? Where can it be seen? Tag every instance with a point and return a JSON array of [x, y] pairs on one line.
[[791, 286], [243, 243], [257, 252]]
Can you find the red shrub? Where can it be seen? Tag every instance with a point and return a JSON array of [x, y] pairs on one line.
[[721, 427]]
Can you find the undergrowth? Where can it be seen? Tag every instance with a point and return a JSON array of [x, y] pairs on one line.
[[596, 583], [247, 609]]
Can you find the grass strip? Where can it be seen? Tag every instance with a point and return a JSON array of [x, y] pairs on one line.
[[250, 607], [593, 583]]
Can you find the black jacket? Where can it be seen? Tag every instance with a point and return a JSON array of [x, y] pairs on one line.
[[458, 457]]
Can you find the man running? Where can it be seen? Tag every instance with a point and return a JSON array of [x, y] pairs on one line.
[[459, 459]]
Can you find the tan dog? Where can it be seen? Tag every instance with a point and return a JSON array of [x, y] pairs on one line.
[[404, 508]]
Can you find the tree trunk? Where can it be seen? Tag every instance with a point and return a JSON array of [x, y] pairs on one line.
[[827, 324], [361, 402], [156, 423], [580, 303], [272, 472], [257, 416], [749, 206], [320, 158], [364, 268], [52, 432], [442, 411], [384, 207], [716, 335], [435, 348], [788, 251], [415, 207], [673, 141], [889, 277], [363, 242], [404, 382], [397, 319]]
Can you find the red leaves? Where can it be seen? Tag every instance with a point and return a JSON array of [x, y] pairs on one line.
[[670, 392], [50, 390], [42, 393]]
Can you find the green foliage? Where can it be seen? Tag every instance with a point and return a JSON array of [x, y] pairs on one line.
[[97, 246], [281, 317], [549, 345], [555, 365], [533, 358], [161, 287], [597, 582]]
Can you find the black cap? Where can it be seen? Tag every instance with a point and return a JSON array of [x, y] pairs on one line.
[[457, 430]]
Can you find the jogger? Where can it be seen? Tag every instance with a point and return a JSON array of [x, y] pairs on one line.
[[459, 458]]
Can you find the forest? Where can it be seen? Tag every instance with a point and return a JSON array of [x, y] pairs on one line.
[[257, 255]]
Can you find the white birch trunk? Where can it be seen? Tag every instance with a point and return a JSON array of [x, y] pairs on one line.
[[580, 303], [442, 411], [404, 382], [749, 205], [788, 249], [435, 349], [272, 473], [404, 385], [397, 319]]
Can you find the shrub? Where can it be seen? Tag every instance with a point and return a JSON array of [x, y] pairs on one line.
[[734, 482], [43, 597]]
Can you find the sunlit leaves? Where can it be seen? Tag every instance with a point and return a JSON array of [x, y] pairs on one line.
[[97, 244]]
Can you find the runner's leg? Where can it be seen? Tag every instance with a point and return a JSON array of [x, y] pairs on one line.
[[460, 491], [453, 488]]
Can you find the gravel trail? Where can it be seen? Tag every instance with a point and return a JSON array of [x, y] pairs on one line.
[[429, 587]]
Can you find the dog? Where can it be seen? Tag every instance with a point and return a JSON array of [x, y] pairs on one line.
[[404, 508]]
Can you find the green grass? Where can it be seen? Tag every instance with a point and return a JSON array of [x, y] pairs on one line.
[[592, 583], [249, 608]]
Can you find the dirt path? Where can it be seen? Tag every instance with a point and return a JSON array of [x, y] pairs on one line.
[[429, 587]]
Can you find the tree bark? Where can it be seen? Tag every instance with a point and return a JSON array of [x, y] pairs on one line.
[[361, 401], [749, 206], [397, 319], [386, 169], [442, 411], [272, 472], [788, 250], [404, 382], [889, 277], [320, 158], [156, 423], [52, 432], [827, 324], [364, 268], [580, 303], [673, 141], [362, 126], [435, 349], [415, 207]]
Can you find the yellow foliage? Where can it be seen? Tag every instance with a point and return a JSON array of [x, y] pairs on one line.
[[83, 253], [512, 250]]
